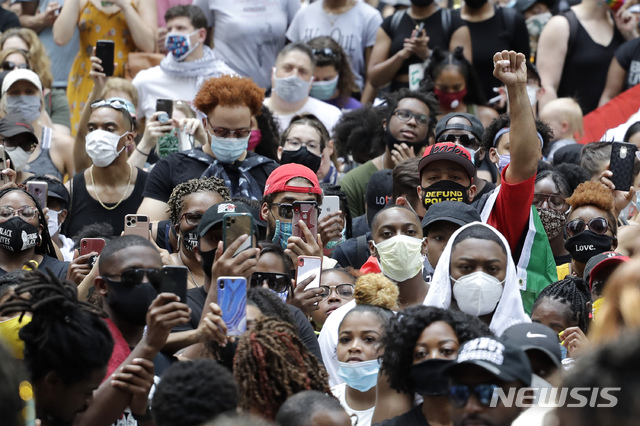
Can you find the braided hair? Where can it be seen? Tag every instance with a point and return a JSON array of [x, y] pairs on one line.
[[46, 245], [176, 201], [59, 323], [572, 291], [272, 364]]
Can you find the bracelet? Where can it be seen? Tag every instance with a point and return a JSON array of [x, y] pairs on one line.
[[146, 154]]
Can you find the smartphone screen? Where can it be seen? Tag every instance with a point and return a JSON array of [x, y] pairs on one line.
[[307, 266], [232, 299]]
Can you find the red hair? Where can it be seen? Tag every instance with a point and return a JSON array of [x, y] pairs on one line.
[[229, 91]]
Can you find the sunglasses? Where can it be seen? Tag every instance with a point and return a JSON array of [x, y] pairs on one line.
[[8, 66], [276, 282], [406, 115], [192, 218], [464, 140], [556, 202], [133, 277], [459, 394], [324, 52], [598, 225], [223, 132], [343, 291]]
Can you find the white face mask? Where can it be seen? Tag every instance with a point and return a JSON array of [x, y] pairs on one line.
[[52, 222], [291, 89], [477, 293], [19, 157], [400, 257], [102, 147]]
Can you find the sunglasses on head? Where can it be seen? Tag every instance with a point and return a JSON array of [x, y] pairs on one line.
[[134, 277], [276, 282], [459, 394], [598, 225], [324, 52], [464, 140]]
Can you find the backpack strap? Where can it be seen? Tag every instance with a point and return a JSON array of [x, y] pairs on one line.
[[573, 28], [446, 25], [396, 19], [362, 251]]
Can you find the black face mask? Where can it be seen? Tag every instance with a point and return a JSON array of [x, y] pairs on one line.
[[189, 239], [475, 4], [302, 156], [207, 261], [131, 303], [587, 244], [392, 141], [421, 3], [17, 235], [444, 190], [428, 377]]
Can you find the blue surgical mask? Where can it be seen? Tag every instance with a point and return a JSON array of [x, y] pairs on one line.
[[228, 150], [563, 352], [360, 376], [503, 161], [283, 231], [332, 244], [283, 296], [180, 45], [324, 90]]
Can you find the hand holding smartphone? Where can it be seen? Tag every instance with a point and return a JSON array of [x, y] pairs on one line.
[[90, 245], [232, 299]]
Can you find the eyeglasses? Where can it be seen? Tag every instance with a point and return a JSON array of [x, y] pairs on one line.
[[225, 133], [598, 225], [464, 140], [324, 52], [459, 394], [556, 202], [133, 277], [279, 283], [192, 218], [25, 212], [343, 291], [294, 144], [8, 66], [406, 115]]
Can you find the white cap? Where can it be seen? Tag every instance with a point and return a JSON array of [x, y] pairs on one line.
[[20, 74]]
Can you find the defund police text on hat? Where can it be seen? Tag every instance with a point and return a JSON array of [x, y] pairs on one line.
[[503, 360], [451, 152], [278, 179]]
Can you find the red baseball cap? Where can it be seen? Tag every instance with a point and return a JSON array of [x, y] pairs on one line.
[[277, 180], [451, 152]]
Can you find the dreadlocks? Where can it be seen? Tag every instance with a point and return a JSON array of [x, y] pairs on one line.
[[272, 364], [212, 184], [572, 291], [46, 245], [59, 323]]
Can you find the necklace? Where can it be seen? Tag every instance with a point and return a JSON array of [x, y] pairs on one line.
[[93, 182], [188, 269]]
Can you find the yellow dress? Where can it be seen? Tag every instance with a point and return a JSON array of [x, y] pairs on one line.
[[94, 25]]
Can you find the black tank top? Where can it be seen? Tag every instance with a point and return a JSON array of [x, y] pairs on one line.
[[86, 211], [586, 65]]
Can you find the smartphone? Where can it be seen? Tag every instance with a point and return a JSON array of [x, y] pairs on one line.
[[39, 190], [623, 155], [306, 211], [88, 245], [232, 299], [330, 204], [136, 224], [104, 51], [164, 105], [420, 28], [307, 266], [174, 280], [234, 225]]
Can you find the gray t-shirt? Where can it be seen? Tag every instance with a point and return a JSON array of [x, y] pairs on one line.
[[354, 31], [249, 34]]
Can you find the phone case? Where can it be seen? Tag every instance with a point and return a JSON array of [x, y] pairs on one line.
[[136, 224], [88, 245], [307, 266], [234, 226], [174, 280], [307, 212], [623, 156], [39, 190], [105, 51], [330, 204], [232, 299]]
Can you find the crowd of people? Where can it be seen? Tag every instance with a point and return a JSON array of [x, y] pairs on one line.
[[314, 213]]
